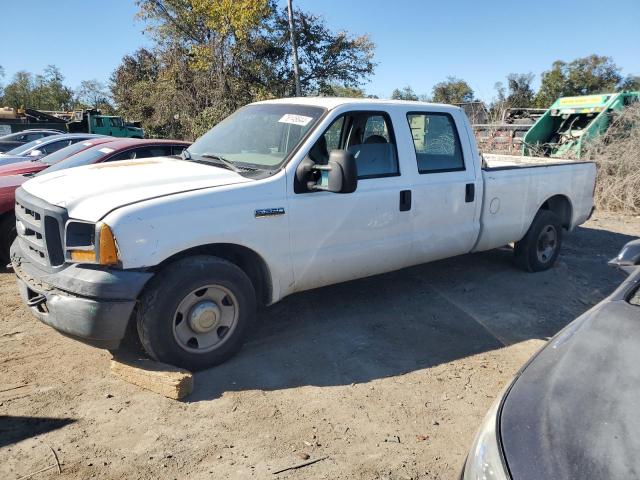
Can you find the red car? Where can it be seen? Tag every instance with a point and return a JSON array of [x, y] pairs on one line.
[[14, 175]]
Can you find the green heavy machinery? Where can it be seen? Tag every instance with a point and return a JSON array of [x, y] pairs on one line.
[[567, 126]]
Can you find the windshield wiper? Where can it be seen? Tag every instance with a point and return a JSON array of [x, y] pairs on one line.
[[222, 161]]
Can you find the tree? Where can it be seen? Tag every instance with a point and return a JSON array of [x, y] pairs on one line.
[[93, 94], [49, 91], [17, 93], [325, 57], [452, 90], [631, 83], [342, 91], [582, 76], [44, 91], [405, 93], [213, 56], [520, 92]]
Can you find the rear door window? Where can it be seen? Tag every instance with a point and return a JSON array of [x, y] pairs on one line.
[[177, 149], [126, 155], [436, 142], [153, 151]]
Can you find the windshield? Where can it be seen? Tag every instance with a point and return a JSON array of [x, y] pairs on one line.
[[65, 152], [259, 136], [25, 148], [85, 157]]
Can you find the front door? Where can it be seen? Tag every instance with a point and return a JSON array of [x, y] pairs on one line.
[[338, 237]]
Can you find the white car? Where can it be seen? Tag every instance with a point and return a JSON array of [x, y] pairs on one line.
[[282, 196]]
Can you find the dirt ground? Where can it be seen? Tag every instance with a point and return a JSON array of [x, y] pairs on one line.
[[388, 377]]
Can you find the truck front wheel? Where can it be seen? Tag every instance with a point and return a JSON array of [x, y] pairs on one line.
[[195, 313], [540, 247]]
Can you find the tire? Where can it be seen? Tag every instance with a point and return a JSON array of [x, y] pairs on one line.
[[196, 312], [540, 247], [7, 236]]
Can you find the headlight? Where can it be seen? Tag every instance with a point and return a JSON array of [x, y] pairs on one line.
[[90, 243], [485, 460]]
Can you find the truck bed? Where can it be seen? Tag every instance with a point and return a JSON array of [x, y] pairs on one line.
[[501, 162], [516, 187]]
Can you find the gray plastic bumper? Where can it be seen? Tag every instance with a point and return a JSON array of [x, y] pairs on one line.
[[88, 303]]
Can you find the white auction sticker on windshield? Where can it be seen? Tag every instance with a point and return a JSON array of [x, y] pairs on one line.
[[106, 150], [295, 119]]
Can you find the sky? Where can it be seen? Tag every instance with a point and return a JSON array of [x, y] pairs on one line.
[[418, 42]]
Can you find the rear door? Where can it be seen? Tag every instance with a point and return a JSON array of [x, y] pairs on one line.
[[446, 189], [338, 237]]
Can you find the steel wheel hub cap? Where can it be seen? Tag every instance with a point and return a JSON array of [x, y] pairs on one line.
[[547, 243], [204, 316]]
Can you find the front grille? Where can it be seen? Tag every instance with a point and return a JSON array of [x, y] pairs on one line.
[[40, 229]]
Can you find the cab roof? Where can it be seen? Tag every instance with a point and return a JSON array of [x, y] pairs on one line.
[[333, 102]]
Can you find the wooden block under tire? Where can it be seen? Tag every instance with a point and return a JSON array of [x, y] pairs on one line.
[[167, 380]]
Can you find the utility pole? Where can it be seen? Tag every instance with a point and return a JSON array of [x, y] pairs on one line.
[[294, 51]]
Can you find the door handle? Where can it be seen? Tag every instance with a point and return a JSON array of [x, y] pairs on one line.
[[405, 200], [470, 192]]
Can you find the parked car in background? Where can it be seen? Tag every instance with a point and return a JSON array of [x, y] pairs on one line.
[[42, 147], [31, 167], [122, 149], [572, 410], [13, 140], [102, 149]]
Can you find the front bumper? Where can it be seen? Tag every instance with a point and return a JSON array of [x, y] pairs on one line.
[[90, 304]]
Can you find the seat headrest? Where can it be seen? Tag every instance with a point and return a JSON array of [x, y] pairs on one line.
[[375, 139]]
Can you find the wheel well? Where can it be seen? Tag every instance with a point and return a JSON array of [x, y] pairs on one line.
[[561, 206], [248, 260]]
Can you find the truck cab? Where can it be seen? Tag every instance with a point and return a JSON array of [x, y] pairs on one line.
[[92, 121], [280, 197]]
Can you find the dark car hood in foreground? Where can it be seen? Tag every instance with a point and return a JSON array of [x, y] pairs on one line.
[[574, 411]]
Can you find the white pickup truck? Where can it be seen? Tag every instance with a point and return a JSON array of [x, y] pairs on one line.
[[282, 196]]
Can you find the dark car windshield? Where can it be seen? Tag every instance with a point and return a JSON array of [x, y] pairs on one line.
[[259, 136], [66, 152], [85, 157]]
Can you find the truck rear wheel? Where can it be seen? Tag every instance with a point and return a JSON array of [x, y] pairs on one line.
[[195, 313], [540, 247]]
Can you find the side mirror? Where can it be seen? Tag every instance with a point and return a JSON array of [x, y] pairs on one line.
[[340, 175], [35, 153], [629, 257]]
